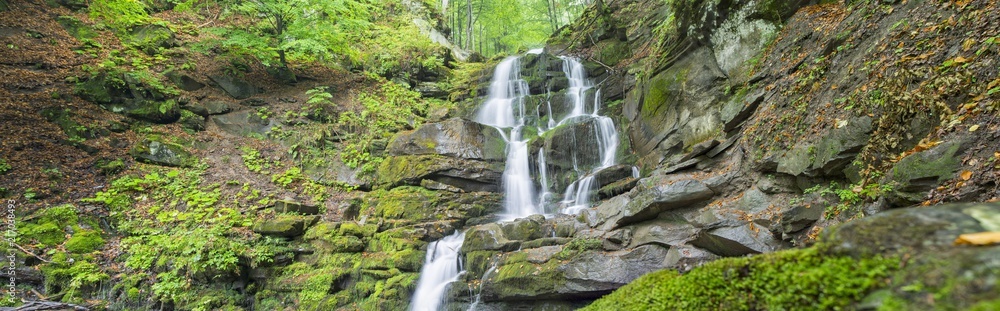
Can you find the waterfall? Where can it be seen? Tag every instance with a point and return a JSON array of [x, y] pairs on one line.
[[505, 110], [441, 267]]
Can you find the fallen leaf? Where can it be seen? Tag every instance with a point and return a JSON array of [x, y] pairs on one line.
[[961, 60], [966, 175], [981, 239], [974, 128]]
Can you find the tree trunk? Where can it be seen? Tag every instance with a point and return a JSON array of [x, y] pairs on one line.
[[469, 25]]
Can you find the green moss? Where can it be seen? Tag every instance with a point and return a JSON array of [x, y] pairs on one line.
[[521, 278], [799, 279], [84, 241], [577, 246]]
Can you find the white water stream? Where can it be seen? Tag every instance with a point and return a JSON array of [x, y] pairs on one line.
[[505, 110]]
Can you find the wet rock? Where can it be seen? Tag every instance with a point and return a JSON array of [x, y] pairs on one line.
[[154, 150], [544, 242], [242, 123], [612, 174], [801, 216], [217, 108], [528, 228], [680, 166], [838, 148], [335, 171], [617, 188], [454, 138], [431, 90], [736, 241], [192, 121], [488, 237], [235, 87], [295, 208], [542, 254], [618, 239], [574, 146], [722, 147], [661, 198], [774, 184], [285, 225]]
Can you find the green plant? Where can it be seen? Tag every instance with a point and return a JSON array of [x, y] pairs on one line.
[[289, 176], [120, 15], [253, 160], [4, 167]]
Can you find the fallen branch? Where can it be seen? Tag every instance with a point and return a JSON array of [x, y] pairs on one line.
[[32, 254]]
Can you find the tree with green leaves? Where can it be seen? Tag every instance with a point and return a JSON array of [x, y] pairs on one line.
[[305, 30]]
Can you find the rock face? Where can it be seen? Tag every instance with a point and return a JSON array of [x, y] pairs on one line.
[[235, 87]]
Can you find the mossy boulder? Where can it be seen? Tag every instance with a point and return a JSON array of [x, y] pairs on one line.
[[469, 175], [285, 225], [133, 94], [192, 121], [76, 28], [155, 150], [151, 38], [918, 173], [84, 241], [183, 81], [455, 138]]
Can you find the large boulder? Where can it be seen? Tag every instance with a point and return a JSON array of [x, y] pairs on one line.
[[456, 138], [242, 123], [235, 87], [918, 173], [650, 202], [737, 241], [465, 174], [154, 150], [151, 38]]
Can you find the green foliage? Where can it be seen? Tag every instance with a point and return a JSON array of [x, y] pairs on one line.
[[390, 108], [319, 107], [850, 196], [287, 177], [283, 31], [120, 15], [4, 167], [577, 246], [253, 160], [799, 279]]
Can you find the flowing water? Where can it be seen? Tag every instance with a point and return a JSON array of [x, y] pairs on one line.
[[505, 109], [441, 267]]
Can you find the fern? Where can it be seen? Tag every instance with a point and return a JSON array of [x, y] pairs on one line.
[[120, 15]]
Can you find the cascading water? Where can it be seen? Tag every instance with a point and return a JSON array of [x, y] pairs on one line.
[[441, 267], [505, 110]]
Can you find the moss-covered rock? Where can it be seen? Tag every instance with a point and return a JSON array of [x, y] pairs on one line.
[[285, 225], [155, 150], [76, 28], [151, 38], [469, 175], [920, 172], [84, 241]]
